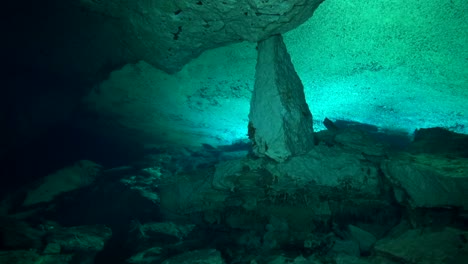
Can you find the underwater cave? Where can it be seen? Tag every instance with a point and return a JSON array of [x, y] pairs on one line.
[[236, 131]]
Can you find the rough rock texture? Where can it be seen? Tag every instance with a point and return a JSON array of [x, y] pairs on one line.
[[426, 247], [327, 181], [328, 168], [439, 141], [365, 239], [163, 232], [346, 247], [16, 234], [62, 245], [33, 257], [281, 259], [258, 188], [82, 174], [90, 238], [429, 180], [153, 242], [330, 205], [207, 256], [148, 256], [168, 34], [280, 122]]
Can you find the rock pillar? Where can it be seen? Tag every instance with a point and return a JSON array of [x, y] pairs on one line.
[[280, 122]]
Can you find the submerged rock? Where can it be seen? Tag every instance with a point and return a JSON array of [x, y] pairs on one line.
[[287, 260], [429, 181], [182, 30], [365, 239], [83, 242], [62, 245], [207, 256], [331, 171], [146, 183], [346, 247], [280, 122], [32, 257], [148, 256], [82, 174], [163, 232], [17, 234], [447, 246], [438, 140]]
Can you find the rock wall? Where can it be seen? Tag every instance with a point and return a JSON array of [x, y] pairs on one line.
[[353, 66]]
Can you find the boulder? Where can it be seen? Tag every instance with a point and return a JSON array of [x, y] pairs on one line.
[[360, 141], [233, 174], [81, 174], [145, 183], [327, 170], [347, 259], [428, 181], [365, 239], [206, 256], [346, 247], [163, 232], [148, 256], [32, 257], [281, 259], [439, 140], [280, 122], [418, 246], [84, 242], [17, 234], [64, 245], [311, 188]]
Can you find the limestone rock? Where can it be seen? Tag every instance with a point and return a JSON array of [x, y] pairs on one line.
[[145, 184], [90, 239], [281, 259], [83, 241], [148, 256], [153, 241], [360, 141], [207, 256], [233, 174], [226, 174], [424, 247], [347, 247], [365, 239], [439, 141], [329, 168], [168, 34], [429, 180], [347, 259], [280, 122], [82, 174], [165, 231], [52, 248], [15, 234], [32, 257], [330, 173], [190, 196]]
